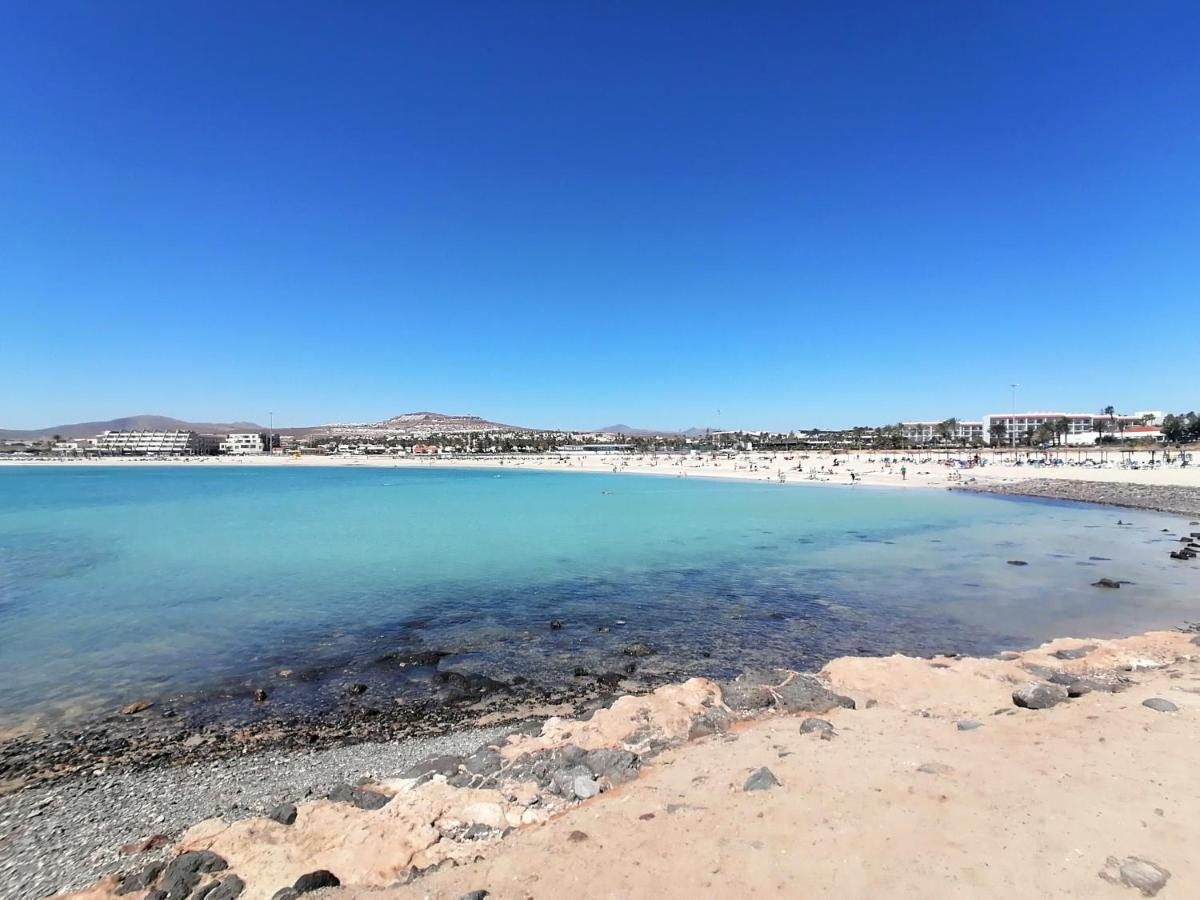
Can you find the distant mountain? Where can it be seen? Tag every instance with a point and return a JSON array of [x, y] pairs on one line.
[[630, 431], [417, 423], [651, 432], [129, 423]]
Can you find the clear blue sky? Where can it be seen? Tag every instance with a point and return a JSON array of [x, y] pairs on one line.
[[580, 213]]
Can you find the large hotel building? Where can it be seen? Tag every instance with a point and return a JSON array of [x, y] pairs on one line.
[[1082, 428]]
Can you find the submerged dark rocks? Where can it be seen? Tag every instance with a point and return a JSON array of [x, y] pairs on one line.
[[456, 686], [140, 742], [404, 659]]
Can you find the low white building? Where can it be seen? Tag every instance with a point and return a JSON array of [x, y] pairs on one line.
[[242, 444]]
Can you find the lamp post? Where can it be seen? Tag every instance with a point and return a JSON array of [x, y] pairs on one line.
[[270, 432], [1012, 423]]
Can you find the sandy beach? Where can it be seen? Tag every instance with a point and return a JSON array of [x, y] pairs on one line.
[[896, 776], [877, 468]]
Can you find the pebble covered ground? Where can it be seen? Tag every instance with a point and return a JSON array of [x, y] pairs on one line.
[[66, 835], [1159, 498]]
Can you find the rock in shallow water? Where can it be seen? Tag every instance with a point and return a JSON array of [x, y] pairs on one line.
[[1039, 696]]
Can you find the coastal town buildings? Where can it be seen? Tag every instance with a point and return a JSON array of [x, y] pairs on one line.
[[1074, 428], [156, 443], [950, 431], [241, 444]]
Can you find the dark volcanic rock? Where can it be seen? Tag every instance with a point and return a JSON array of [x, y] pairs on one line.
[[1147, 877], [711, 721], [360, 797], [1106, 583], [610, 680], [313, 881], [229, 888], [142, 880], [743, 695], [1075, 652], [284, 813], [1039, 696], [475, 895], [184, 871], [1017, 562], [639, 649], [819, 726], [1160, 705], [761, 780], [435, 765], [617, 766], [806, 694], [455, 686], [405, 659], [484, 761]]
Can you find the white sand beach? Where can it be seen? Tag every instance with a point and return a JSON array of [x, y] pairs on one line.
[[898, 469]]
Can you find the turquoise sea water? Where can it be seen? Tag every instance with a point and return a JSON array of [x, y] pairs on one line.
[[121, 582]]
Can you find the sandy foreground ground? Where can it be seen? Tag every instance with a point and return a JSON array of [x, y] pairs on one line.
[[935, 785], [877, 468]]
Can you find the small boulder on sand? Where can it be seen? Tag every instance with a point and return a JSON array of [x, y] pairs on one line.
[[761, 780], [1037, 695]]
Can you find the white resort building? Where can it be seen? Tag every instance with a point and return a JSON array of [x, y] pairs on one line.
[[156, 443], [1080, 428], [241, 444], [931, 432]]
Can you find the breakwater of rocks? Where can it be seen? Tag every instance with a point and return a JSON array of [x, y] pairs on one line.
[[1175, 499]]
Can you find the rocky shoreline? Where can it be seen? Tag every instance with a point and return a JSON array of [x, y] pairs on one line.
[[439, 824], [1176, 499], [150, 735]]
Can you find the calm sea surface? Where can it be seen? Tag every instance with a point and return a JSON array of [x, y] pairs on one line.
[[123, 582]]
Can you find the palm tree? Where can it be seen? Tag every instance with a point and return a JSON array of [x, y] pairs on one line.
[[1062, 427], [946, 429]]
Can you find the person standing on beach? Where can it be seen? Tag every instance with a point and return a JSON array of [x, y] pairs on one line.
[[904, 473]]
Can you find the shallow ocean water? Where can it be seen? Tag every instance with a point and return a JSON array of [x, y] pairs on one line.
[[123, 582]]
